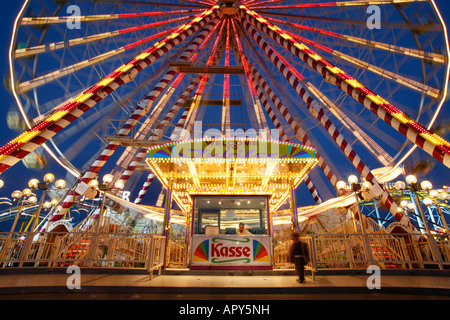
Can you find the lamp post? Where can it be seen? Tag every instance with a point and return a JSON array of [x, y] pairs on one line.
[[415, 187], [34, 184], [103, 188], [434, 199], [357, 188], [20, 197]]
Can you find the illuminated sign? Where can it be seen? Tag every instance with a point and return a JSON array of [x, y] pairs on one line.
[[231, 251]]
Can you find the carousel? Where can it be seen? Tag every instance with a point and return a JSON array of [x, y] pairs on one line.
[[228, 188]]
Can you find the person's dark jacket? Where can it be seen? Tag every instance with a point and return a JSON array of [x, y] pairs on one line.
[[299, 248]]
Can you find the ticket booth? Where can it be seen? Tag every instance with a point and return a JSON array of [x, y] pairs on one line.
[[231, 232], [228, 189]]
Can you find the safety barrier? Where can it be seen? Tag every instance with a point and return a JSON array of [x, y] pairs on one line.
[[356, 251], [153, 252], [84, 249]]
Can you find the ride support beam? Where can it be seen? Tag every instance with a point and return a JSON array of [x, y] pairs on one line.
[[316, 110], [431, 143], [30, 140]]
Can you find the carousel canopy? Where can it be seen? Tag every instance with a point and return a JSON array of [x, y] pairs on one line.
[[230, 166]]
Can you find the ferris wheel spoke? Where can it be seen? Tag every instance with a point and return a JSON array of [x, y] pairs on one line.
[[350, 22], [63, 72], [140, 110], [261, 86], [18, 148], [409, 83], [26, 21], [247, 3], [416, 133], [336, 4], [428, 56], [226, 83], [45, 48], [201, 40], [380, 154]]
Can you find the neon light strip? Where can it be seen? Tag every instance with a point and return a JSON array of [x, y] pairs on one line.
[[25, 52], [337, 4], [26, 21], [318, 112], [27, 142]]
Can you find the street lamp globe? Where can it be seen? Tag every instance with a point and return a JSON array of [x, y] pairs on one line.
[[411, 206], [400, 185], [26, 192], [341, 185], [16, 194], [93, 184], [434, 193], [1, 183], [49, 177], [119, 185], [32, 199], [107, 178], [60, 184], [366, 186], [426, 185], [47, 205], [411, 179], [33, 183], [352, 179], [427, 201], [444, 195]]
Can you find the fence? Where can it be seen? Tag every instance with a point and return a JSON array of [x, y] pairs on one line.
[[153, 252], [355, 251], [84, 249]]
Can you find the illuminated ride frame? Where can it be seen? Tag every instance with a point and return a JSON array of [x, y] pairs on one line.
[[224, 182]]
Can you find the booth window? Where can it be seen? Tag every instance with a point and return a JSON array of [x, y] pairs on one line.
[[223, 214]]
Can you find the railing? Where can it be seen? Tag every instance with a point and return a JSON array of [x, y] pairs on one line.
[[84, 249], [152, 252]]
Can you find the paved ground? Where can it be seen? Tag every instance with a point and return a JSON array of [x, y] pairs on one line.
[[222, 286]]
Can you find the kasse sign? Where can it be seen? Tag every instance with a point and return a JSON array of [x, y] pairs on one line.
[[245, 251]]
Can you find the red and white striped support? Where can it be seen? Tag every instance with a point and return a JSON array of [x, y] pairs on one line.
[[141, 109], [261, 85], [159, 130], [316, 110], [163, 48], [256, 89], [431, 143], [27, 142], [313, 190]]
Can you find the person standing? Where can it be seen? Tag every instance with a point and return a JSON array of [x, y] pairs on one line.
[[299, 255]]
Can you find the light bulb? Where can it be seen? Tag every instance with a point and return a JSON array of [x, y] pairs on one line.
[[341, 185], [107, 178], [411, 179], [49, 177], [352, 179], [400, 185], [60, 184], [33, 183]]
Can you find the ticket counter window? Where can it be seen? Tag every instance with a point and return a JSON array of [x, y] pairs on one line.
[[223, 215]]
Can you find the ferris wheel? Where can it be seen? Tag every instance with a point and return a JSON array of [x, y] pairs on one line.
[[363, 82]]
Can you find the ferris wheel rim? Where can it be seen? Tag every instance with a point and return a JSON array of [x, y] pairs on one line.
[[408, 153]]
